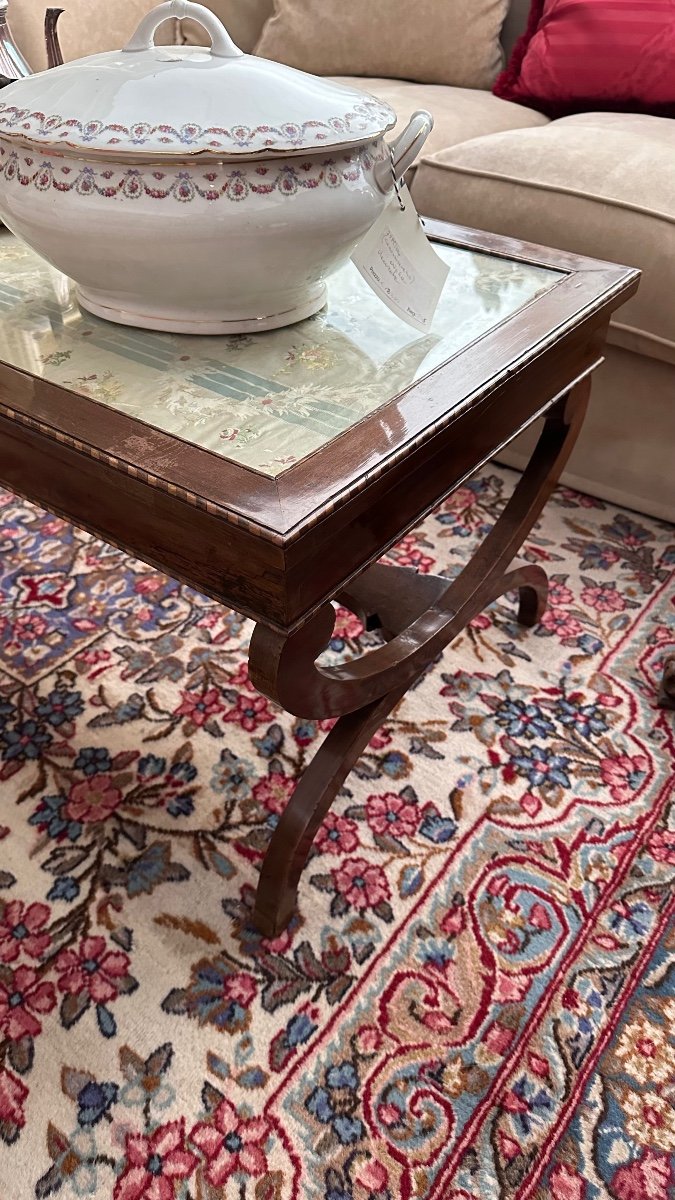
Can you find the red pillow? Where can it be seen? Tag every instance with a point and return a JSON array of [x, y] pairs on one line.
[[581, 55]]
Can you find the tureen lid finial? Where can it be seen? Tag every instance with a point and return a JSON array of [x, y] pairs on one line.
[[222, 45]]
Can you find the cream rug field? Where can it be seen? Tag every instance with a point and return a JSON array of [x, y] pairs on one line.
[[476, 999]]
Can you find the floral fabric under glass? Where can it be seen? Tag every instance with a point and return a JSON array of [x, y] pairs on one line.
[[266, 400]]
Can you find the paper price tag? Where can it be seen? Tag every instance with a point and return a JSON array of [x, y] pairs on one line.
[[401, 265]]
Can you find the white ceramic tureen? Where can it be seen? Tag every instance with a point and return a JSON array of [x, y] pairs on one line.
[[191, 189]]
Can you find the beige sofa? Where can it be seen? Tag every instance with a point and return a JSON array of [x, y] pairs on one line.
[[599, 184]]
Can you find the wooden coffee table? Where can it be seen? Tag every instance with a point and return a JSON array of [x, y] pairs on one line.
[[272, 472]]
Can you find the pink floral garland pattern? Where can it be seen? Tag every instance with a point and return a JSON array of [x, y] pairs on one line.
[[185, 186], [287, 135]]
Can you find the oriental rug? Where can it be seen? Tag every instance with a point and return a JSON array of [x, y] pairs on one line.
[[476, 998]]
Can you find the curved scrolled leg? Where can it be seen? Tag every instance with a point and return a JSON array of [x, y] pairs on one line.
[[419, 616], [292, 839]]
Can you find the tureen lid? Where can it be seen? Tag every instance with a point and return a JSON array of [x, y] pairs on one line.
[[158, 101]]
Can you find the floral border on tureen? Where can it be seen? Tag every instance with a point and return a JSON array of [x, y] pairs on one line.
[[187, 185], [288, 135]]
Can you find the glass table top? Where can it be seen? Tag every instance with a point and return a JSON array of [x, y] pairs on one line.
[[265, 400]]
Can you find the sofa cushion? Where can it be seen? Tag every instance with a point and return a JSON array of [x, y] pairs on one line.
[[601, 184], [459, 113], [86, 27], [454, 42], [243, 19]]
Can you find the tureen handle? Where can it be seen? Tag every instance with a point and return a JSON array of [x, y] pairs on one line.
[[404, 151], [222, 45]]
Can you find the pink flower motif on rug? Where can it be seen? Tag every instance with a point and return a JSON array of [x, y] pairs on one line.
[[559, 594], [391, 814], [273, 792], [93, 968], [13, 1095], [22, 996], [230, 1144], [348, 627], [362, 884], [155, 1163], [662, 845], [198, 707], [559, 622], [409, 554], [28, 627], [249, 712], [93, 799], [603, 599], [624, 774], [22, 930], [337, 835]]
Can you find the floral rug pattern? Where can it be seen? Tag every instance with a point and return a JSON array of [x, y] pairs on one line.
[[477, 995]]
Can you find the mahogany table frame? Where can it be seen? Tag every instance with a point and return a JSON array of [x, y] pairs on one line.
[[279, 550]]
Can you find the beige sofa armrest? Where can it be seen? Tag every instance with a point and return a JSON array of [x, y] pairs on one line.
[[86, 27]]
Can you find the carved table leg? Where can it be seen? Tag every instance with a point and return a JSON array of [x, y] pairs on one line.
[[419, 616]]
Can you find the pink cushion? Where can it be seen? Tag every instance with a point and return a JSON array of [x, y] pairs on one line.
[[584, 55]]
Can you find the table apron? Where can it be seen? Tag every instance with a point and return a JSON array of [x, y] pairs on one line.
[[284, 582], [376, 517], [196, 547]]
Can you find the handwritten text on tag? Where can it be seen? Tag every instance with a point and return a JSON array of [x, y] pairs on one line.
[[401, 265]]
